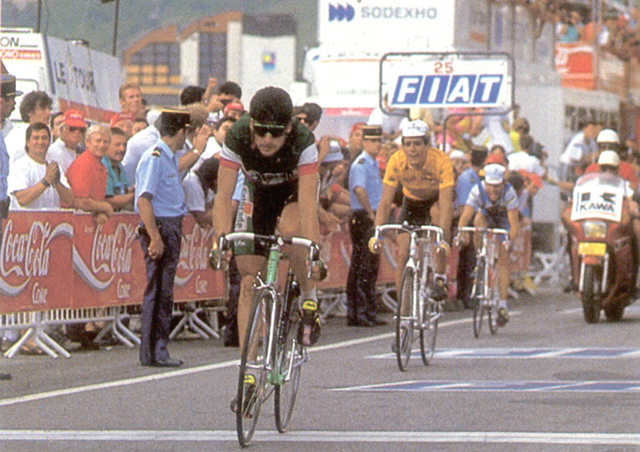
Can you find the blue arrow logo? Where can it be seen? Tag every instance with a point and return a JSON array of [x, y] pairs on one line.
[[341, 13]]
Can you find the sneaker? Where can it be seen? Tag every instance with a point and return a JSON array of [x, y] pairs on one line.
[[503, 317], [440, 290], [309, 331], [249, 396], [529, 285]]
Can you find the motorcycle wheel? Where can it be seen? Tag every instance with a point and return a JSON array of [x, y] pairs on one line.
[[591, 295]]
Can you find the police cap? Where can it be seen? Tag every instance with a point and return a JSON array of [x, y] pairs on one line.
[[9, 86], [174, 120], [371, 131]]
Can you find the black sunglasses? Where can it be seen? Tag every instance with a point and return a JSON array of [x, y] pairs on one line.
[[75, 129], [275, 130]]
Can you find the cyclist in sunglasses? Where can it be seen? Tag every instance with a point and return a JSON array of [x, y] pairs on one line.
[[279, 159]]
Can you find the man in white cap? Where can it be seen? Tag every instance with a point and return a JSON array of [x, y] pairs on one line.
[[426, 176], [493, 203]]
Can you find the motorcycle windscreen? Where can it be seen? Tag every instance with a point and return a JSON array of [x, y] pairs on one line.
[[598, 196]]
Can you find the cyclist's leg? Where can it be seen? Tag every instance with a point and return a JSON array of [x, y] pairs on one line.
[[248, 266], [403, 257], [289, 226]]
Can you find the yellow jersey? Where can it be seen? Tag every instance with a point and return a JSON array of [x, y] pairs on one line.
[[420, 184]]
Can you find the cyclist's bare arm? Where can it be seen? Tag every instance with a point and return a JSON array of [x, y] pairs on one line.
[[465, 219], [223, 208], [445, 200], [514, 223], [308, 206], [384, 206]]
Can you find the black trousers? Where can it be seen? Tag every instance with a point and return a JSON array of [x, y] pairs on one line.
[[158, 296], [363, 271]]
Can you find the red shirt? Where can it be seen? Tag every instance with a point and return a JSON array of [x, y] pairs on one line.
[[87, 177], [625, 171]]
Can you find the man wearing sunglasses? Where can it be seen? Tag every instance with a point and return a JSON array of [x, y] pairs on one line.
[[279, 159], [64, 150]]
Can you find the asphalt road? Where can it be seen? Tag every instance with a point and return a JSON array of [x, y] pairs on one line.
[[545, 382]]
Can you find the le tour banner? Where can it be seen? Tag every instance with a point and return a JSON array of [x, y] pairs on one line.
[[59, 259]]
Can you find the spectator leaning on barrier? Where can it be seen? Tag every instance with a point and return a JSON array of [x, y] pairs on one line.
[[33, 182], [199, 190], [35, 107], [160, 202], [64, 150], [87, 175], [119, 191]]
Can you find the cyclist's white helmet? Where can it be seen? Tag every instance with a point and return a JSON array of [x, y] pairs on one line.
[[608, 136]]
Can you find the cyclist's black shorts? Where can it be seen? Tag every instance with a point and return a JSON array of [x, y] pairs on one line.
[[259, 210], [416, 213]]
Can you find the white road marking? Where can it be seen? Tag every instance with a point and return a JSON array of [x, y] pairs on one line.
[[189, 371], [610, 439]]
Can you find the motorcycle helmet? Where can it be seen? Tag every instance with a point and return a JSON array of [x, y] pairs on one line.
[[609, 158], [608, 136]]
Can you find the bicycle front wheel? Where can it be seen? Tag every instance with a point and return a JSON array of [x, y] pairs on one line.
[[404, 320], [254, 368], [478, 297], [289, 364], [429, 330]]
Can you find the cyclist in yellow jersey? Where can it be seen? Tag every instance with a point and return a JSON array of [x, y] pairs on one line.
[[426, 176]]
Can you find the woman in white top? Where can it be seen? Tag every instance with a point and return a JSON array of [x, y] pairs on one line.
[[33, 183]]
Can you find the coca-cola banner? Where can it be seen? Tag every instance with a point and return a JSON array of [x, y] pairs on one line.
[[35, 261], [194, 279], [108, 264], [58, 259]]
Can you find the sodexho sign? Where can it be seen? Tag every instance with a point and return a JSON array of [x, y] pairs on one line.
[[340, 12]]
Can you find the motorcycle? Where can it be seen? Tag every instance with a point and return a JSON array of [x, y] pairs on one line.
[[602, 246]]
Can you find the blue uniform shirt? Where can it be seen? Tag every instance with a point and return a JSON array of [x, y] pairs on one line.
[[116, 184], [4, 169], [157, 175], [466, 181], [365, 173]]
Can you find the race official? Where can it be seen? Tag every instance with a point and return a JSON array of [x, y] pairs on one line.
[[365, 189], [160, 202]]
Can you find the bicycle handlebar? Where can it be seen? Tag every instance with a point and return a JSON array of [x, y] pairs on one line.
[[496, 231], [408, 228], [314, 250]]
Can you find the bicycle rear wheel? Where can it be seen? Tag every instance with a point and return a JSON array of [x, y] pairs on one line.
[[478, 297], [429, 330], [289, 364], [404, 322], [254, 368]]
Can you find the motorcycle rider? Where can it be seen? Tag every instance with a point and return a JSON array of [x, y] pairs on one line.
[[493, 203], [608, 140]]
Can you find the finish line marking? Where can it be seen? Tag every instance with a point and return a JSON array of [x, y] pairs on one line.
[[527, 353], [632, 387], [617, 439]]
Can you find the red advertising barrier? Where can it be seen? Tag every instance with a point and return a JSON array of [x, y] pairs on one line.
[[35, 261], [59, 259]]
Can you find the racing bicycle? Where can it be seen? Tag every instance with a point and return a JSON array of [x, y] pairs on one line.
[[485, 292], [416, 310], [272, 357]]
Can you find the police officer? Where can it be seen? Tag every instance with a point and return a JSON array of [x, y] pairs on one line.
[[160, 202], [365, 190]]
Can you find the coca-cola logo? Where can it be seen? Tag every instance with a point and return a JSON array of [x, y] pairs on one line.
[[26, 255], [111, 253], [194, 253], [110, 256]]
